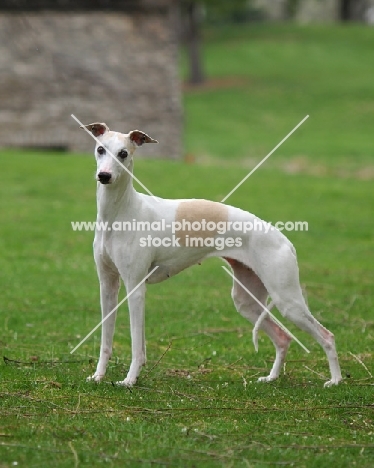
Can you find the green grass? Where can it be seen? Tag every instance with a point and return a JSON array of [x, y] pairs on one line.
[[197, 402], [279, 75]]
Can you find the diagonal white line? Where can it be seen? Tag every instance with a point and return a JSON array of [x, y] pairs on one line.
[[265, 158], [267, 310], [112, 311], [112, 155]]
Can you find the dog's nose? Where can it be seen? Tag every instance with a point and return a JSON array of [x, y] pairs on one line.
[[104, 177]]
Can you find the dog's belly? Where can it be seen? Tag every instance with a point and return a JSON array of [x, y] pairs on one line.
[[168, 267], [161, 274]]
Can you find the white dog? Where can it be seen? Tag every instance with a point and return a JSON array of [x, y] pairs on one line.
[[262, 260]]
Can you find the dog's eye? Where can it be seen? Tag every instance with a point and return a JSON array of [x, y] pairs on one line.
[[100, 150], [123, 154]]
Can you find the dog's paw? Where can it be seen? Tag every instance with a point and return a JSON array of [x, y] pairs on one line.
[[268, 378], [95, 378], [332, 382], [128, 382]]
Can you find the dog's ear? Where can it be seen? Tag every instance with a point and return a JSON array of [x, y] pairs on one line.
[[97, 129], [138, 137]]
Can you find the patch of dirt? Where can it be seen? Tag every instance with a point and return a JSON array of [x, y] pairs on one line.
[[295, 165], [304, 165], [186, 373], [216, 83]]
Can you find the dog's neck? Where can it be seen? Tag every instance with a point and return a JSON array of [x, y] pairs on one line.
[[115, 199]]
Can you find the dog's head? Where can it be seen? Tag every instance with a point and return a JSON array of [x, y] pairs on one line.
[[114, 151]]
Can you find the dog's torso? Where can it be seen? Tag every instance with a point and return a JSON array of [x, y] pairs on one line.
[[176, 234]]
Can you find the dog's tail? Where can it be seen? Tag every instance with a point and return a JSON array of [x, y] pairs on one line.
[[258, 324]]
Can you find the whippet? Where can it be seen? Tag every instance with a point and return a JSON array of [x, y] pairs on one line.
[[262, 260]]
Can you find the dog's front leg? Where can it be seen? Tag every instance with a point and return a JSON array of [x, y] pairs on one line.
[[136, 309], [109, 287]]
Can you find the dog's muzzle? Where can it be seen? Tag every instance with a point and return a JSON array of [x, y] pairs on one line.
[[104, 177]]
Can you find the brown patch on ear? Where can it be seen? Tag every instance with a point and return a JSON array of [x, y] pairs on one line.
[[139, 138], [97, 129], [199, 210]]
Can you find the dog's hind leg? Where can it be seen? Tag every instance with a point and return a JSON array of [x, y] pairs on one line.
[[285, 290], [258, 324], [252, 310]]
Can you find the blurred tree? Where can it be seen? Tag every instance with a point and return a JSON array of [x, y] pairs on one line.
[[291, 7], [353, 10], [191, 22], [193, 12]]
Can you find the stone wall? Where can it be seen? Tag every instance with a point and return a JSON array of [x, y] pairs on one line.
[[112, 67]]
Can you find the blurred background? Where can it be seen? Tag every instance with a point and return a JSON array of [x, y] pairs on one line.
[[208, 79]]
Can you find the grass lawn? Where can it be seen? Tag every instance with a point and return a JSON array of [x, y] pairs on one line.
[[197, 402], [262, 80]]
